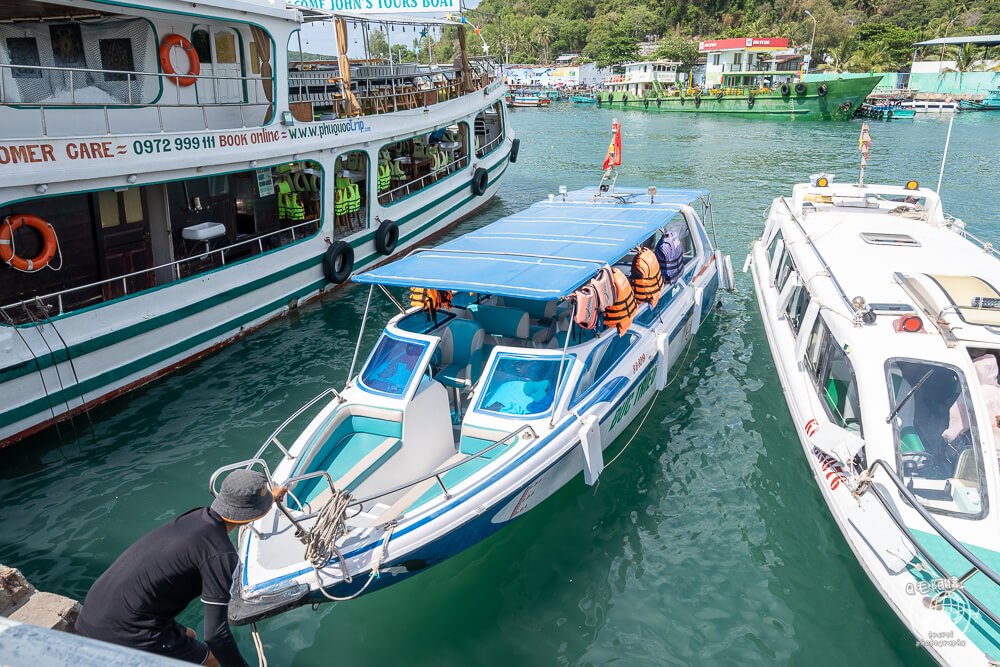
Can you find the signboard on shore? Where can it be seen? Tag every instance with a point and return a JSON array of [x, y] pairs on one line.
[[748, 43], [377, 7]]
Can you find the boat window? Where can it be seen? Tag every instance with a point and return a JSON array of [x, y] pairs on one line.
[[601, 360], [350, 196], [937, 441], [520, 385], [784, 270], [834, 377], [488, 129], [392, 364], [208, 223], [772, 249], [410, 165], [796, 308]]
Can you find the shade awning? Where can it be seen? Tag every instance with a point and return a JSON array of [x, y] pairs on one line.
[[968, 39], [544, 252]]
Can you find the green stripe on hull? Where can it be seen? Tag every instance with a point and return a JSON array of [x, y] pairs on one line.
[[832, 106], [72, 393]]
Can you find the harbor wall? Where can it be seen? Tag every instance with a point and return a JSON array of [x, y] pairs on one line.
[[931, 84]]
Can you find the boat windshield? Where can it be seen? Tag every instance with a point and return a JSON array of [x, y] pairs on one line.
[[392, 364], [520, 385], [937, 441]]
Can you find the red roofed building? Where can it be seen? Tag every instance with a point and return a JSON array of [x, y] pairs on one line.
[[747, 61]]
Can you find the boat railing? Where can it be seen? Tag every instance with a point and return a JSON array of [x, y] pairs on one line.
[[258, 461], [965, 233], [126, 83], [389, 196], [482, 151], [175, 267], [867, 485]]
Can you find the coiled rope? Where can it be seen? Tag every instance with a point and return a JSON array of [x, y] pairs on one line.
[[321, 543]]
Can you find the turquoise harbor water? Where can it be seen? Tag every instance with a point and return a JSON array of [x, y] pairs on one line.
[[706, 542]]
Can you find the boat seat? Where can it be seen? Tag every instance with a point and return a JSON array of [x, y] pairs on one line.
[[501, 321], [461, 353], [373, 449], [540, 310]]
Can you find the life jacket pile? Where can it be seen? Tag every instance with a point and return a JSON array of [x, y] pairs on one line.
[[670, 254], [430, 300], [620, 314], [647, 278]]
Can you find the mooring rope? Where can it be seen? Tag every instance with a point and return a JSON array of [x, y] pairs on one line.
[[330, 526], [258, 644]]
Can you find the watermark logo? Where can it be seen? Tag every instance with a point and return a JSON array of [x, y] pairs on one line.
[[943, 595]]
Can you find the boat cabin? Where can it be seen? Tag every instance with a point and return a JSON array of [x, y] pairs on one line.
[[743, 62], [645, 78]]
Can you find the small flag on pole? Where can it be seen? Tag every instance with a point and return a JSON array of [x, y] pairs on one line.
[[614, 156]]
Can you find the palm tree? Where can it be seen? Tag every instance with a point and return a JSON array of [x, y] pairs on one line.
[[871, 57], [968, 62], [841, 54], [951, 16]]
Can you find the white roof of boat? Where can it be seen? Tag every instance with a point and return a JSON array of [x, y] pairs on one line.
[[848, 235]]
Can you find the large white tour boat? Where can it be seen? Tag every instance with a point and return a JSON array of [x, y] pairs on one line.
[[883, 318], [172, 176], [464, 417]]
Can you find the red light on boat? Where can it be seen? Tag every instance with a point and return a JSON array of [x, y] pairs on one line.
[[909, 323]]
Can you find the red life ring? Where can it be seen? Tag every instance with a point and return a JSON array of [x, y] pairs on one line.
[[194, 65], [13, 223]]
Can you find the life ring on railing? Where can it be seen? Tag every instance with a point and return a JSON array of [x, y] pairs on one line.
[[386, 237], [480, 180], [338, 262], [194, 65], [49, 247]]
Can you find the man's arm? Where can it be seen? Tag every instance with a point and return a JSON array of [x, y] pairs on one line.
[[219, 638]]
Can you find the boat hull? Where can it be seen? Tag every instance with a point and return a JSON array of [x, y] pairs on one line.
[[842, 99]]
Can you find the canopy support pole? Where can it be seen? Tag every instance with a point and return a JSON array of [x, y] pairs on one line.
[[357, 347], [466, 73], [569, 332], [345, 67]]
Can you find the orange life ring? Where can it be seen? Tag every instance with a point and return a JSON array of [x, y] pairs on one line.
[[194, 68], [15, 222]]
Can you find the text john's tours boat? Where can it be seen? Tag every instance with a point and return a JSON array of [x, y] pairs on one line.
[[174, 176], [883, 317], [496, 389]]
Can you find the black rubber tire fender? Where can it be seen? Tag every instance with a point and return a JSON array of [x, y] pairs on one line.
[[624, 98], [386, 237], [786, 90], [659, 101], [645, 103], [751, 99], [683, 100], [821, 90], [720, 96], [338, 262], [480, 180], [697, 100], [515, 148], [800, 88]]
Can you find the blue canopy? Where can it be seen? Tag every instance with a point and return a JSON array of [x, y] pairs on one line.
[[544, 252]]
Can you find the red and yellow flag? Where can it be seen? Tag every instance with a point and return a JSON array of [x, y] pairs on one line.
[[614, 156]]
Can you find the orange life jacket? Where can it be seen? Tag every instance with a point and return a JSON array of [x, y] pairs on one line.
[[430, 299], [621, 313], [646, 277]]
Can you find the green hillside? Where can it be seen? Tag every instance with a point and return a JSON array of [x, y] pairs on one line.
[[854, 35]]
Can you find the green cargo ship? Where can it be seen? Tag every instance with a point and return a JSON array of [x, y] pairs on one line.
[[836, 99]]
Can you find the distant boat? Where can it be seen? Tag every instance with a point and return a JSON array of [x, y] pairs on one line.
[[526, 96], [583, 99], [933, 106], [989, 103], [835, 99]]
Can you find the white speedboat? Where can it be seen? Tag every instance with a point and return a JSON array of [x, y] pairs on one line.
[[463, 419], [174, 175], [883, 318]]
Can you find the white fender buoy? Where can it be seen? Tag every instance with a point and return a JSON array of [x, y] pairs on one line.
[[662, 360], [590, 445], [728, 278], [699, 296]]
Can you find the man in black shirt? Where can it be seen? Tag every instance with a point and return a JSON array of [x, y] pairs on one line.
[[135, 601]]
